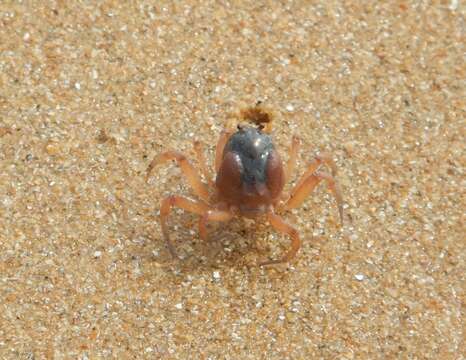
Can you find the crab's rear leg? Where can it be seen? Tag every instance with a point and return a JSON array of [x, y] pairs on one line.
[[196, 207], [322, 159], [281, 226], [307, 184], [199, 188]]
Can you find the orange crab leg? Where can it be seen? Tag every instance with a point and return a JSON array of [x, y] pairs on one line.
[[308, 184], [212, 215], [202, 162], [219, 149], [281, 226], [293, 153], [191, 175], [197, 207]]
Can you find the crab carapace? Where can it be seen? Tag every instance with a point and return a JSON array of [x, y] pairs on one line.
[[249, 182]]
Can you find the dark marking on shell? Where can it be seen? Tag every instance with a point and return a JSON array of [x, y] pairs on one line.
[[253, 147]]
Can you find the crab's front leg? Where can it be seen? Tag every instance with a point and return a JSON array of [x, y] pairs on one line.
[[307, 184], [213, 215], [281, 226], [196, 207], [200, 189]]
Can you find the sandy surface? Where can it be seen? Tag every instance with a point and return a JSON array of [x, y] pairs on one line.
[[89, 94]]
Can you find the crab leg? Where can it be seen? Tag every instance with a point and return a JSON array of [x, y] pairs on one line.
[[191, 175], [197, 207], [318, 161], [281, 226], [212, 215], [219, 149], [202, 162], [293, 153], [307, 184]]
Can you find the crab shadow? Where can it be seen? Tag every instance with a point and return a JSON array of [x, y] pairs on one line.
[[236, 244]]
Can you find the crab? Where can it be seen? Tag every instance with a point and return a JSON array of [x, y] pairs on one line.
[[249, 182]]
